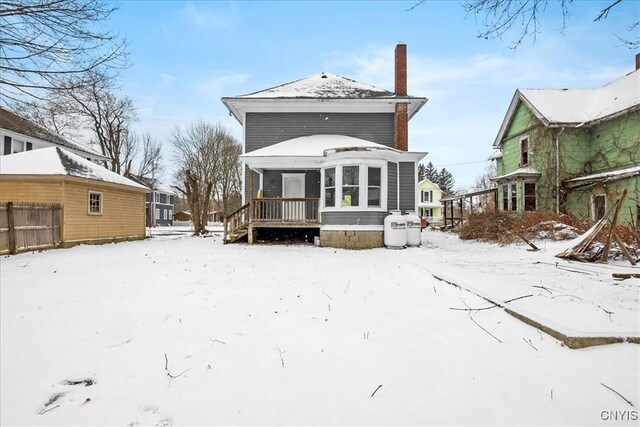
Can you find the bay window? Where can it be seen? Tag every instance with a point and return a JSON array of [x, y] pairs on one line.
[[514, 197], [373, 187], [330, 187], [350, 186]]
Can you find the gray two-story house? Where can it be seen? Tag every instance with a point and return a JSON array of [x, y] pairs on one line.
[[159, 202], [328, 154]]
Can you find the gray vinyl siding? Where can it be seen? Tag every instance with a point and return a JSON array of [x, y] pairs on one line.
[[265, 129], [353, 218], [272, 184], [407, 186], [392, 186]]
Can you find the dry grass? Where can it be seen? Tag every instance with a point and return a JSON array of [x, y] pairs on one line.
[[503, 228]]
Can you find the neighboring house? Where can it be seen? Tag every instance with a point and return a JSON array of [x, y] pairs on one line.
[[429, 207], [329, 154], [159, 202], [18, 134], [572, 150], [97, 205]]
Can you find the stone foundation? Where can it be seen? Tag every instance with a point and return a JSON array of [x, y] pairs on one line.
[[352, 239]]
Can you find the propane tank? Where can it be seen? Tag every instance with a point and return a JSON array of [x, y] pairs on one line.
[[413, 228], [395, 230]]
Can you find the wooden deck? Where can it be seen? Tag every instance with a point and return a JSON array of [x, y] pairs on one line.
[[271, 212]]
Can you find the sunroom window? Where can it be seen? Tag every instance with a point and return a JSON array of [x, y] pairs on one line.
[[514, 197], [373, 187], [330, 187], [350, 186], [529, 196]]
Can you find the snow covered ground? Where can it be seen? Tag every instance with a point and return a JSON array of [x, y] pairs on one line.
[[305, 335]]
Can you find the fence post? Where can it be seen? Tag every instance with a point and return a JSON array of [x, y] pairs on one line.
[[12, 229]]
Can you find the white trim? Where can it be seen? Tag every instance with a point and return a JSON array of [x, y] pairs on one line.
[[363, 185], [38, 143], [522, 138], [593, 205], [352, 228], [100, 202]]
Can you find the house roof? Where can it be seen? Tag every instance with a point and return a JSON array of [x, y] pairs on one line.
[[152, 184], [315, 148], [322, 87], [58, 161], [429, 181], [520, 172], [605, 176], [18, 124], [577, 107]]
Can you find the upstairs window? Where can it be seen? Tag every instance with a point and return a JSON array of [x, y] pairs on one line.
[[350, 186], [330, 187], [373, 187], [524, 152]]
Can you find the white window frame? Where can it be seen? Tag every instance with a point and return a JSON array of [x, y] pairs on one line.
[[100, 202], [164, 214], [362, 185], [334, 186], [367, 186], [157, 214]]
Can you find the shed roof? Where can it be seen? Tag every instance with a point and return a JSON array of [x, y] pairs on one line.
[[58, 161], [18, 124]]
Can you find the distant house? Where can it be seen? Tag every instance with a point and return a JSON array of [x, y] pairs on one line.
[[429, 207], [19, 134], [182, 216], [572, 150], [327, 154], [97, 205], [159, 202]]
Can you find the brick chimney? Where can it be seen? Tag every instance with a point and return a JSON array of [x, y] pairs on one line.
[[637, 61], [401, 136]]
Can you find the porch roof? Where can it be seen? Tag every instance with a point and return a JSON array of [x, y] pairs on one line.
[[604, 176], [314, 149], [521, 172]]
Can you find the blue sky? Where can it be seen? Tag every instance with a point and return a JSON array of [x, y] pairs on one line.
[[187, 55]]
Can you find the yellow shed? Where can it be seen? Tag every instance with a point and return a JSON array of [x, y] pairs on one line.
[[97, 205]]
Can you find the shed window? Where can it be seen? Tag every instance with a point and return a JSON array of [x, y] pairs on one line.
[[529, 196], [95, 203], [514, 197], [350, 186], [599, 206], [373, 187], [330, 187], [524, 152]]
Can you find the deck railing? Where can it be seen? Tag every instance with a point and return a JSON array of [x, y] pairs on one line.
[[237, 219], [285, 210]]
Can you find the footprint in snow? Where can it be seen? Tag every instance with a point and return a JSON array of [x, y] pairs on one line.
[[150, 416]]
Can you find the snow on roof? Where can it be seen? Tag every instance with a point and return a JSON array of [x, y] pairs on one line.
[[609, 175], [321, 85], [586, 105], [57, 161], [153, 184], [15, 123], [518, 172], [429, 181], [495, 155], [314, 146]]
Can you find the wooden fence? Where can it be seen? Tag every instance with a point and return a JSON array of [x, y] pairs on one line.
[[26, 226]]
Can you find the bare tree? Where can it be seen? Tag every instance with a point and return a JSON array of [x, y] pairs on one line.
[[198, 153], [150, 161], [45, 42], [54, 116], [229, 176], [500, 17], [109, 117]]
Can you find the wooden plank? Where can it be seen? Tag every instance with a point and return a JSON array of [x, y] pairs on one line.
[[623, 248], [12, 231], [614, 222]]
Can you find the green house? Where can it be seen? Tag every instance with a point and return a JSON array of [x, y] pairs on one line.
[[572, 150]]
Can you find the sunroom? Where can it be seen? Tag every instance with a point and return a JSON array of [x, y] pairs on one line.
[[327, 182]]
